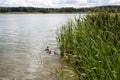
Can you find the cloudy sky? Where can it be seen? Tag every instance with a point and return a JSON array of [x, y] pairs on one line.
[[58, 3]]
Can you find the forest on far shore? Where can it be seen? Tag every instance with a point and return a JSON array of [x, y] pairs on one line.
[[58, 10]]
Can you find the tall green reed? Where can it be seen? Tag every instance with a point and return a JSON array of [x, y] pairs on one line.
[[92, 46]]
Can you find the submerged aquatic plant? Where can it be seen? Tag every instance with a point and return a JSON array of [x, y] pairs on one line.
[[92, 46]]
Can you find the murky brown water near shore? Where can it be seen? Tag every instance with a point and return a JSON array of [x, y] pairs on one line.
[[23, 38]]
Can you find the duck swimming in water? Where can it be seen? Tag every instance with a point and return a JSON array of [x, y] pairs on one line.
[[48, 50], [55, 52]]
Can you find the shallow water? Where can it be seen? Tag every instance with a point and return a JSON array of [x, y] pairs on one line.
[[23, 38]]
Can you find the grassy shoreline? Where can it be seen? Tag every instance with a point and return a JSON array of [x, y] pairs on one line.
[[92, 46]]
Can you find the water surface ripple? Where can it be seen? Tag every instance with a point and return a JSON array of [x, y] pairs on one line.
[[23, 38]]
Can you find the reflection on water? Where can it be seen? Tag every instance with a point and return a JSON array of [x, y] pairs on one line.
[[23, 38]]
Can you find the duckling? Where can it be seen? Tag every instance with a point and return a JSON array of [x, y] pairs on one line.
[[47, 49], [55, 53]]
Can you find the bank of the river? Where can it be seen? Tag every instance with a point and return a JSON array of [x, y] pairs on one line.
[[91, 46]]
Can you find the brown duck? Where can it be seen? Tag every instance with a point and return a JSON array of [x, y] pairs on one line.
[[48, 50]]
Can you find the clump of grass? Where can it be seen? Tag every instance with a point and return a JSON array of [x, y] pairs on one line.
[[92, 46], [65, 72]]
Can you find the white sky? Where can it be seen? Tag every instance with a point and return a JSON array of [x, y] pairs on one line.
[[58, 3]]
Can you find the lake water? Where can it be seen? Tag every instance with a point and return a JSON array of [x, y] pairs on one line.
[[23, 38]]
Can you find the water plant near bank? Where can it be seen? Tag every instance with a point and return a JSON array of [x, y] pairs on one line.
[[92, 45]]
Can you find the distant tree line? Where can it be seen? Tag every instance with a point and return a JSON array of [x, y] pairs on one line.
[[58, 10]]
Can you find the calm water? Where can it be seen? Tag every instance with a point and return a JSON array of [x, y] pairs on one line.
[[23, 38]]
